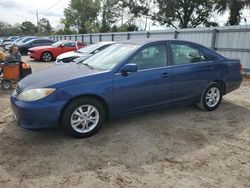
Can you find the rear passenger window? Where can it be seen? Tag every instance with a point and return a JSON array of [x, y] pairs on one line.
[[151, 57], [70, 44], [185, 54]]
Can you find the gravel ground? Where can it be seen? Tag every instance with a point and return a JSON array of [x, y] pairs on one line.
[[177, 147]]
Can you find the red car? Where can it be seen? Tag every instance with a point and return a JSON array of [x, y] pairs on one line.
[[49, 53]]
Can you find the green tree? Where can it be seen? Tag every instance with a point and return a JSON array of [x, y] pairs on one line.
[[183, 13], [28, 28], [80, 13], [234, 7], [44, 26], [110, 12], [8, 29]]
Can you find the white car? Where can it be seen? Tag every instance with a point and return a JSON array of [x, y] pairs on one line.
[[82, 54]]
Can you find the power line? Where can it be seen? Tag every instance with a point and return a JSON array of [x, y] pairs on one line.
[[53, 7]]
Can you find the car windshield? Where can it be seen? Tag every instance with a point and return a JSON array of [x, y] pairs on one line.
[[109, 57], [26, 40], [89, 49], [56, 44]]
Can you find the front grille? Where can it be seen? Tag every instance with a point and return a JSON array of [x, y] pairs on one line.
[[18, 90]]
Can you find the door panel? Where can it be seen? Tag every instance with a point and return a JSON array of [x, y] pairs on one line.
[[142, 89], [192, 71], [148, 87]]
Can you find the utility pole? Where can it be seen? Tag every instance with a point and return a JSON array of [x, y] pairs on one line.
[[37, 17], [146, 23], [37, 21]]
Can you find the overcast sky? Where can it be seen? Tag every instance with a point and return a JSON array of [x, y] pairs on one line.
[[17, 11]]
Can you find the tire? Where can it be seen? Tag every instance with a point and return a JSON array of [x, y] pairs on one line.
[[46, 57], [211, 97], [6, 85], [23, 51], [85, 126]]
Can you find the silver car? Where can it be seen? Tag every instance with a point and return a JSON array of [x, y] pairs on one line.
[[83, 53]]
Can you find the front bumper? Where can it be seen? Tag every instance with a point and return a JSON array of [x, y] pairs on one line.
[[36, 115]]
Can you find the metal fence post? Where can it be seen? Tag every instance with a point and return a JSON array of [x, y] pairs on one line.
[[128, 36], [112, 36], [64, 37], [148, 34], [90, 39], [100, 38], [82, 38], [70, 37], [75, 38], [175, 34], [213, 42]]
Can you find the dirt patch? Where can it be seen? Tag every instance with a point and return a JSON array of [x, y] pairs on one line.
[[177, 147]]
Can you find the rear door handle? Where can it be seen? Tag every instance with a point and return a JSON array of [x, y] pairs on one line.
[[209, 68], [164, 75]]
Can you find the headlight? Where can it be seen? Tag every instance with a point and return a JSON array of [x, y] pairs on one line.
[[35, 94]]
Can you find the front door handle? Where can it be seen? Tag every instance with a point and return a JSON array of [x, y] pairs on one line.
[[164, 75]]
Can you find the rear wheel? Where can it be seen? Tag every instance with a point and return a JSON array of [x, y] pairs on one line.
[[211, 97], [46, 56], [23, 51], [83, 117], [6, 85]]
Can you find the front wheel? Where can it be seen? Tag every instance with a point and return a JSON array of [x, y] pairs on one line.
[[211, 97], [83, 117]]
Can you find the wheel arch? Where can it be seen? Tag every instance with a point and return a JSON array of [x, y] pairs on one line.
[[41, 56], [93, 96], [222, 85]]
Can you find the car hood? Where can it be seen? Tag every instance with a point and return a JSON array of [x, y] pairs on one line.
[[68, 54], [41, 48], [55, 76]]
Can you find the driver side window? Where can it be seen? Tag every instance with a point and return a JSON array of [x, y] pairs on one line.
[[151, 57]]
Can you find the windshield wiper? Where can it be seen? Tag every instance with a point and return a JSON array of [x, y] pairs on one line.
[[89, 66]]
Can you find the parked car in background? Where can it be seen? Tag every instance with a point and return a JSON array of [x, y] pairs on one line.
[[82, 54], [1, 40], [7, 45], [128, 77], [9, 39], [26, 39], [49, 53], [24, 47], [18, 41]]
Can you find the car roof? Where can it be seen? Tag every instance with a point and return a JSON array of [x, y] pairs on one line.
[[66, 41], [147, 41], [39, 39], [106, 42]]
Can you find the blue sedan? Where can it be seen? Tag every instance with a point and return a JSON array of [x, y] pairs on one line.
[[125, 78]]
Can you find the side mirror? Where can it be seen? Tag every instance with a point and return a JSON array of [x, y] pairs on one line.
[[62, 45], [129, 68]]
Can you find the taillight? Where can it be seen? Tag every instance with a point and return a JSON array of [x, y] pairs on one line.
[[241, 68]]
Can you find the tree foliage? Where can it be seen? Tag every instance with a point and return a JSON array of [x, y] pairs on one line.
[[234, 7], [28, 28], [87, 16], [110, 13], [8, 29], [82, 13], [44, 26], [175, 13]]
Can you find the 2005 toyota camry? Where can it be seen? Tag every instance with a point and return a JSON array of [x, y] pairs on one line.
[[127, 77]]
